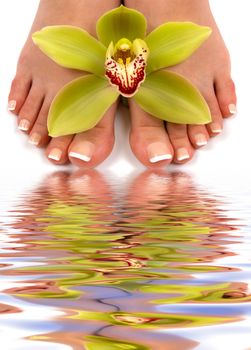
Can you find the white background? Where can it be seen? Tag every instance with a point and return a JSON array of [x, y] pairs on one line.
[[228, 153], [223, 165]]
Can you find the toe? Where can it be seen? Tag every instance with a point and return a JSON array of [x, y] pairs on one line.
[[226, 95], [39, 132], [198, 135], [148, 138], [183, 150], [215, 127], [30, 109], [57, 150], [19, 91], [90, 148]]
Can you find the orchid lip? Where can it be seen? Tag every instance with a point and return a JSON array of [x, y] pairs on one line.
[[125, 65]]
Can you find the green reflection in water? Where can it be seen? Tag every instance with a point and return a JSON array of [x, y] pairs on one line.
[[151, 320], [97, 342], [144, 246]]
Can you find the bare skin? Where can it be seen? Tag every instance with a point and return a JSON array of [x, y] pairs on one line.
[[38, 80], [208, 69]]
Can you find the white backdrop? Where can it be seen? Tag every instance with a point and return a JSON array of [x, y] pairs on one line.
[[223, 165], [229, 152]]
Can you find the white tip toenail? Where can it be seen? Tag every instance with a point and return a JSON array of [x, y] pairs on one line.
[[158, 151], [83, 151], [34, 139], [182, 154], [55, 154], [216, 128], [200, 140], [232, 108], [24, 125], [80, 156], [12, 105], [159, 158]]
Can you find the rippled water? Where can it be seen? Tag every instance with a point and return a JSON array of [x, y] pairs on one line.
[[154, 262]]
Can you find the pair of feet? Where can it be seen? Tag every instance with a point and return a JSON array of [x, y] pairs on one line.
[[153, 142]]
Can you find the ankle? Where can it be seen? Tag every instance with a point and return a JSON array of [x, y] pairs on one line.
[[168, 3], [172, 10], [83, 13]]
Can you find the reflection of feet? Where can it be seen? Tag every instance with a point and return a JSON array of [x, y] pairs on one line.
[[208, 69], [38, 79], [160, 189], [81, 183]]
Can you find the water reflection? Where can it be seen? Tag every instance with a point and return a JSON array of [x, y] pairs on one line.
[[106, 265]]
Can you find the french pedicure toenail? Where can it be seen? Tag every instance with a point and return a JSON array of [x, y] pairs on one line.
[[200, 140], [12, 105], [83, 151], [216, 128], [158, 151], [182, 154], [24, 125], [55, 154], [34, 139], [232, 108]]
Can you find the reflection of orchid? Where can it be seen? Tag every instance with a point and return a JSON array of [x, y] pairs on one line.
[[123, 62]]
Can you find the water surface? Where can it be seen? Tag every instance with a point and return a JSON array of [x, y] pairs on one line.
[[153, 262]]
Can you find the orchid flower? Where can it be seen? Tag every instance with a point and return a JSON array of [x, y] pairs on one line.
[[123, 61]]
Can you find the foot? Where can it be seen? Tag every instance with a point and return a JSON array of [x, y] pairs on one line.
[[38, 79], [156, 143]]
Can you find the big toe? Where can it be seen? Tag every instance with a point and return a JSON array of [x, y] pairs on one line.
[[90, 148], [148, 138]]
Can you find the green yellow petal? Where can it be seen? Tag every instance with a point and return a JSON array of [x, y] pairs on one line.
[[170, 97], [80, 105], [173, 42], [119, 23], [72, 47]]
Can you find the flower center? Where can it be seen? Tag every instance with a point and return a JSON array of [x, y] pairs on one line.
[[125, 65]]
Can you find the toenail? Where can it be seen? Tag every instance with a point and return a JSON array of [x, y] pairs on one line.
[[83, 151], [200, 139], [158, 151], [12, 105], [182, 154], [35, 138], [83, 157], [216, 128], [24, 125], [55, 154], [232, 108]]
